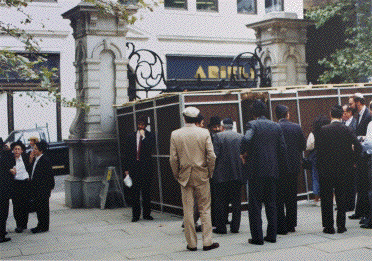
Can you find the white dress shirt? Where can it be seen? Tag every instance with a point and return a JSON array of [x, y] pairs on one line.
[[21, 172], [361, 113], [348, 122], [35, 162]]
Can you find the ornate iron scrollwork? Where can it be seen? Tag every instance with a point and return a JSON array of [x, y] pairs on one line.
[[264, 74], [147, 67], [147, 70]]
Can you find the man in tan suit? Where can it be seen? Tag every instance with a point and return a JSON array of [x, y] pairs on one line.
[[192, 161]]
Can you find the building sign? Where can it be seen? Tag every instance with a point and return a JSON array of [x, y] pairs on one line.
[[208, 68]]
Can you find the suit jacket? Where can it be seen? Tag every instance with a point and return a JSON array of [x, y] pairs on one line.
[[353, 124], [228, 163], [130, 153], [266, 149], [6, 178], [296, 143], [42, 180], [361, 128], [335, 153], [191, 153]]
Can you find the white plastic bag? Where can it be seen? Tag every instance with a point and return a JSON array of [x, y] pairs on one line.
[[128, 181]]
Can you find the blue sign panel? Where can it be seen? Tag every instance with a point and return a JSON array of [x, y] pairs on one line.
[[208, 68]]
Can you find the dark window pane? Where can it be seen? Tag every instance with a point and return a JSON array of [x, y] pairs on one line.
[[246, 6], [175, 4], [207, 5], [55, 1], [128, 2], [274, 5]]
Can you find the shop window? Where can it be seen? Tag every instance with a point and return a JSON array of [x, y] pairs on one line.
[[246, 6], [207, 5], [180, 4], [274, 6]]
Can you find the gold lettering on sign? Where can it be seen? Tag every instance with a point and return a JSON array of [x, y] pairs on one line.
[[252, 73], [223, 72], [200, 73], [234, 69], [213, 72]]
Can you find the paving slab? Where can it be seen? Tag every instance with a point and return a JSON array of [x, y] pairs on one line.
[[341, 245], [95, 234]]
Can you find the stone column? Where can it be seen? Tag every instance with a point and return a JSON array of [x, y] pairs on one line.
[[283, 37], [101, 82]]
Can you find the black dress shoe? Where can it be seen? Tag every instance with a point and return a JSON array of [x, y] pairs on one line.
[[135, 219], [4, 239], [216, 231], [148, 218], [368, 226], [341, 230], [37, 230], [18, 230], [213, 246], [353, 216], [292, 229], [281, 232], [191, 248], [363, 220], [329, 230], [269, 240], [234, 231], [255, 242]]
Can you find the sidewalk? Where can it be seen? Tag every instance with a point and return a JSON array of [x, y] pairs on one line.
[[108, 234]]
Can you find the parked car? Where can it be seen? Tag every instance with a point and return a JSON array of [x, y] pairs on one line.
[[57, 152]]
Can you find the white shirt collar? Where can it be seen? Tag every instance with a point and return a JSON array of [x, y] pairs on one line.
[[348, 122], [362, 111]]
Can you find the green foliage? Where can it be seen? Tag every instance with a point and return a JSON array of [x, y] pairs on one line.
[[354, 62], [11, 62]]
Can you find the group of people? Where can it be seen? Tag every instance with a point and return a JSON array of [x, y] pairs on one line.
[[27, 179], [211, 165]]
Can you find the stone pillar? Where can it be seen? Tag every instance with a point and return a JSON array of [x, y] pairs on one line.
[[283, 37], [101, 82]]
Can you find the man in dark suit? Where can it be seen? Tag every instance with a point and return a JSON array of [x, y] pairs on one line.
[[287, 187], [263, 151], [348, 118], [358, 103], [41, 185], [138, 148], [227, 177], [6, 181], [337, 147]]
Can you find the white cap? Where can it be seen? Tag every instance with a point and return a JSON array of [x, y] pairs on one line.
[[359, 95], [191, 112]]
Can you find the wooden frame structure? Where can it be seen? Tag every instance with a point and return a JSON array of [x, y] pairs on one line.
[[305, 104]]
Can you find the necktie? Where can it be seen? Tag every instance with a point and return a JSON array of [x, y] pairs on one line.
[[33, 169], [139, 148]]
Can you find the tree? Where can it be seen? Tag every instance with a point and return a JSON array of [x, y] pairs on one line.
[[29, 66], [352, 61]]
